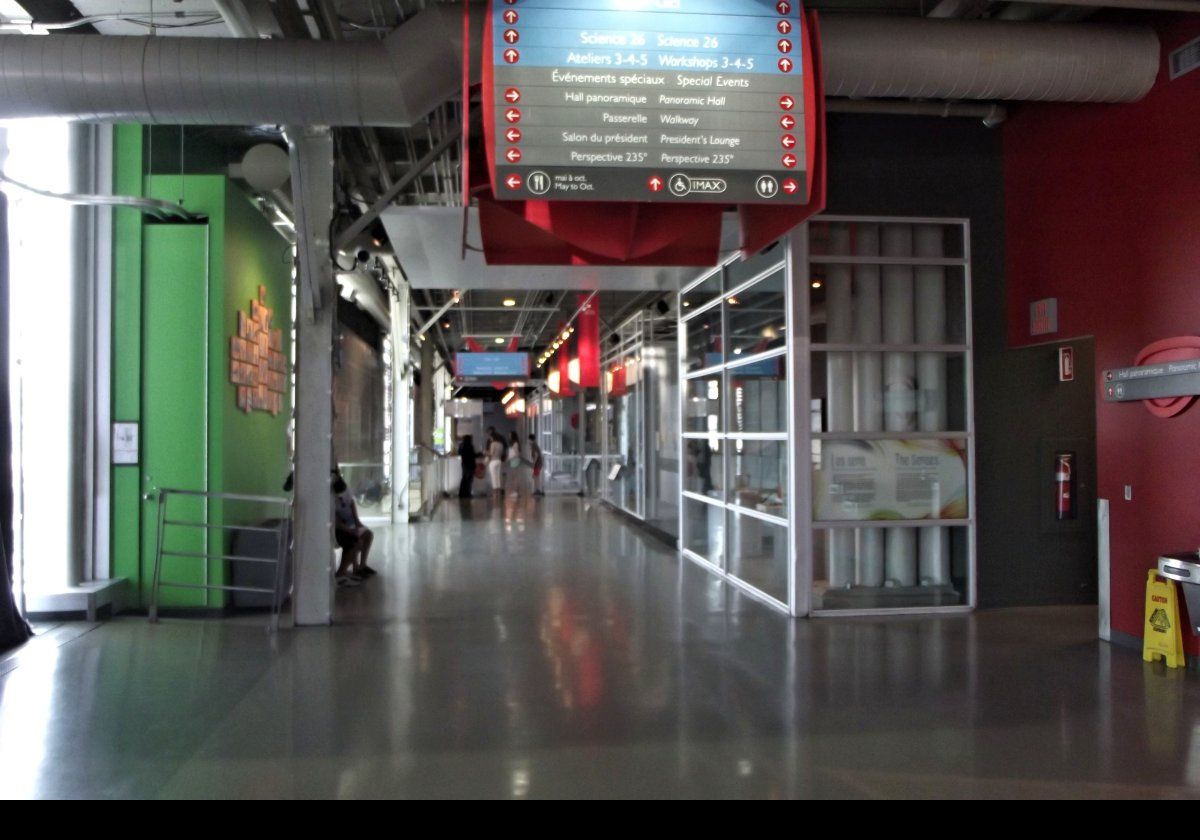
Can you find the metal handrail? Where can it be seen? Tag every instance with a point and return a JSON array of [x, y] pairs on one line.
[[282, 531]]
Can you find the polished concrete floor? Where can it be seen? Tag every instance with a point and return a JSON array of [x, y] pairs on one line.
[[548, 649]]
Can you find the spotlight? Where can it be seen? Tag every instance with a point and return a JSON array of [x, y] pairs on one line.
[[510, 302], [499, 340]]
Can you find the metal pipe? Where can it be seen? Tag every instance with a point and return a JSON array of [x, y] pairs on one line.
[[235, 81], [924, 58], [1191, 6], [455, 297], [398, 80], [991, 114]]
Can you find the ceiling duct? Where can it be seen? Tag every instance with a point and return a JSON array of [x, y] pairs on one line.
[[923, 58], [236, 81], [397, 81]]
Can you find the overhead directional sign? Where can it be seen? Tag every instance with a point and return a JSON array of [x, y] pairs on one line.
[[648, 100]]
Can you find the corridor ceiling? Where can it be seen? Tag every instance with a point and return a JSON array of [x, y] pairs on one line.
[[425, 223]]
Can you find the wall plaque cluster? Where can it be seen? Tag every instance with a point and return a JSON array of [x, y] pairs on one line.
[[257, 365]]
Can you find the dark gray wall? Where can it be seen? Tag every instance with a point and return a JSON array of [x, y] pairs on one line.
[[908, 166]]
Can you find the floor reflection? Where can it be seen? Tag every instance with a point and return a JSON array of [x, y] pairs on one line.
[[545, 648]]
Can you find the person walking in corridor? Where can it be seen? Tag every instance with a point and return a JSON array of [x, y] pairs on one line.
[[515, 461], [466, 452], [535, 455], [496, 463]]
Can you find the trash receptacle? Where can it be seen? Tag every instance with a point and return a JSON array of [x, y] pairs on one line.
[[1185, 569]]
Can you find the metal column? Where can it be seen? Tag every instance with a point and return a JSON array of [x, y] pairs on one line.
[[401, 401], [312, 186]]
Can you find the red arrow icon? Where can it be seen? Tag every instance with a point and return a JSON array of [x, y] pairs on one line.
[[783, 7], [513, 182], [786, 102], [787, 122], [511, 36], [513, 135], [655, 184], [785, 64], [791, 186], [512, 56], [788, 141], [513, 115], [512, 95], [513, 156], [785, 46], [784, 26], [511, 16], [789, 161]]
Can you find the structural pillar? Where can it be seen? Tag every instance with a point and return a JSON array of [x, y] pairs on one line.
[[312, 538], [401, 401]]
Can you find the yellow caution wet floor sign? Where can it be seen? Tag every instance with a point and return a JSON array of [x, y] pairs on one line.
[[1162, 636]]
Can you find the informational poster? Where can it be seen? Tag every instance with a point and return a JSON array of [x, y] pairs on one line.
[[649, 100], [890, 479]]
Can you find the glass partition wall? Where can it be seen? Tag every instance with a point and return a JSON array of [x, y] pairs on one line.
[[736, 403], [828, 442], [641, 421]]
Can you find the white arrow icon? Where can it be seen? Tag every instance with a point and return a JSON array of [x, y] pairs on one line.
[[785, 46], [513, 155], [513, 182], [788, 141], [789, 161], [511, 36], [512, 95], [512, 115], [785, 64], [511, 56], [513, 135], [787, 103]]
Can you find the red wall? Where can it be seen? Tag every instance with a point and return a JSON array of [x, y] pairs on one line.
[[1103, 213]]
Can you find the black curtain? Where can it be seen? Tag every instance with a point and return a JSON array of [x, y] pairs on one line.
[[13, 629]]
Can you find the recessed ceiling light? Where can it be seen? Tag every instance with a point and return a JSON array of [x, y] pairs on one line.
[[499, 340], [816, 284], [509, 302]]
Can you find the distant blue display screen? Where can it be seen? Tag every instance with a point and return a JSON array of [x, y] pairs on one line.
[[765, 367], [487, 365]]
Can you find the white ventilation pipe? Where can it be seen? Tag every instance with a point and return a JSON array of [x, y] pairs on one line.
[[929, 241], [235, 81], [839, 374], [899, 384], [397, 81], [868, 384], [927, 58]]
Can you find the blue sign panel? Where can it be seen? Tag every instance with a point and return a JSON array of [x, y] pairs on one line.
[[649, 100], [492, 365]]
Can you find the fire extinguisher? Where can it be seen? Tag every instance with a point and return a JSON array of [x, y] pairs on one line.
[[1064, 485]]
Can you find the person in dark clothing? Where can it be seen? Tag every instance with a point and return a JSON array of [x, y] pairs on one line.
[[466, 451]]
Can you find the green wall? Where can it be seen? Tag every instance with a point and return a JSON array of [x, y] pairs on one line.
[[241, 453]]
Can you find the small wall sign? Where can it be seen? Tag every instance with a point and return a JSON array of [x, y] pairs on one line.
[[1066, 364], [1043, 316], [125, 444]]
